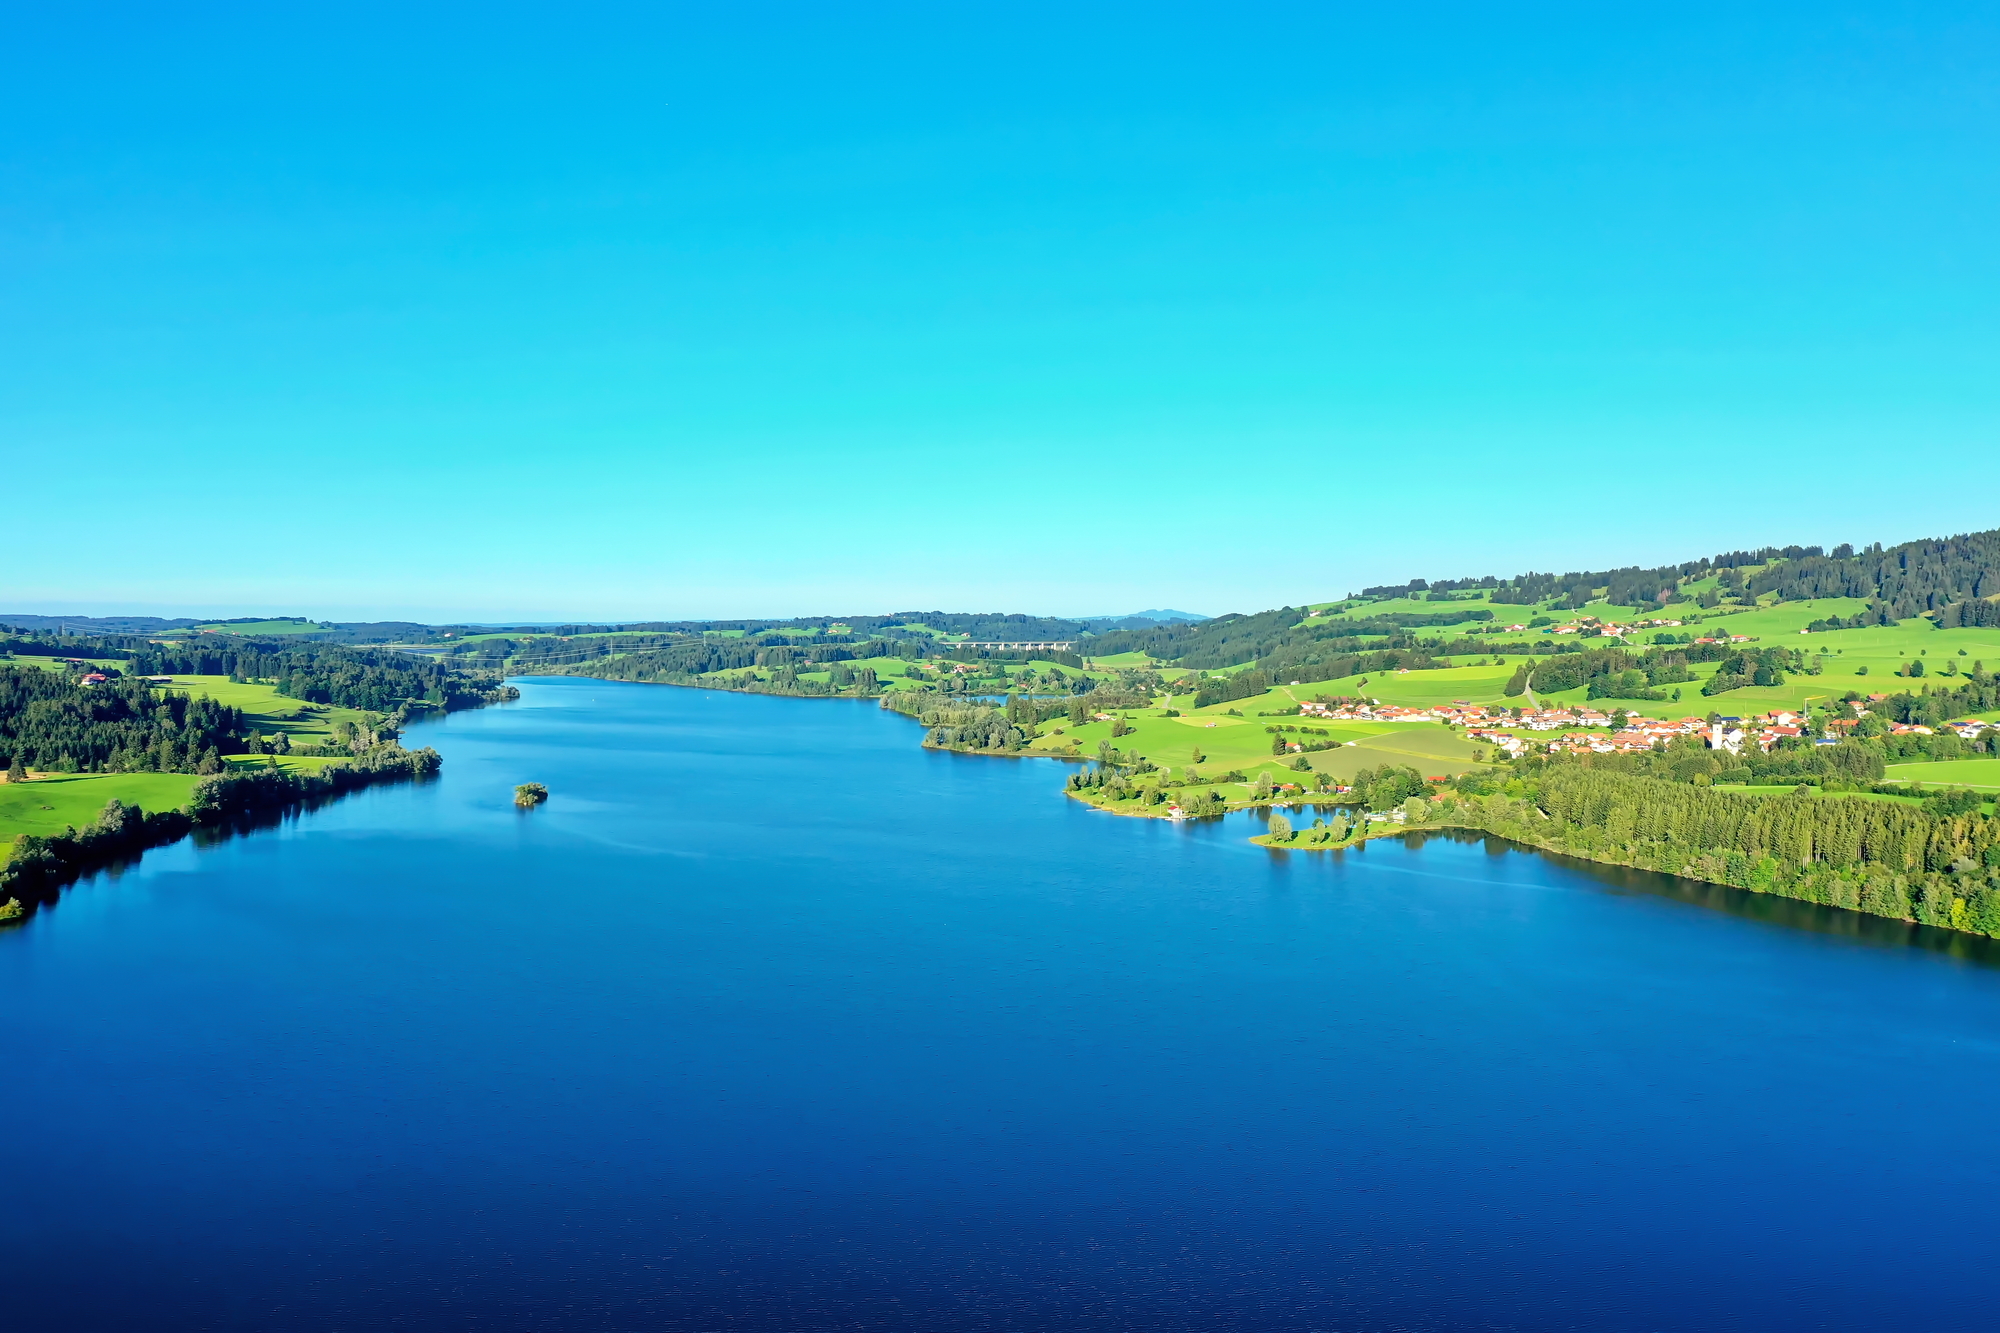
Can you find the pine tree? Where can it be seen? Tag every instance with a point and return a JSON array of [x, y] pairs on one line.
[[17, 771]]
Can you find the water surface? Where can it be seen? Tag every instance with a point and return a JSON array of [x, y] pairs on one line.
[[772, 1020]]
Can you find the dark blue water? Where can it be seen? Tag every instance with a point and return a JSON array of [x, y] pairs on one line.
[[771, 1020]]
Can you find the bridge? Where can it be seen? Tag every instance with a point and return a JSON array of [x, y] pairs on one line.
[[1016, 645]]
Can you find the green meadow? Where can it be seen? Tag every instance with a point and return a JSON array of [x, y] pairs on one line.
[[270, 712], [1979, 774], [1225, 743], [1866, 661], [57, 664], [49, 805]]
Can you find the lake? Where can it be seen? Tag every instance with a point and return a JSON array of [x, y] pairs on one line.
[[771, 1019]]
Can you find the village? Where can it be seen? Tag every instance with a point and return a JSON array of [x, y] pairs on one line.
[[1585, 732]]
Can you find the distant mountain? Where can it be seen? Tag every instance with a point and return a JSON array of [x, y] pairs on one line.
[[98, 624], [353, 632], [1138, 620]]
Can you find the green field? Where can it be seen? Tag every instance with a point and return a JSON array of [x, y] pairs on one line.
[[1242, 743], [1881, 650], [270, 712], [56, 664], [49, 805], [1980, 774]]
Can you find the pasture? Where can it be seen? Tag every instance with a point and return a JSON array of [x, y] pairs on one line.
[[268, 711], [1225, 743], [1979, 774], [49, 805]]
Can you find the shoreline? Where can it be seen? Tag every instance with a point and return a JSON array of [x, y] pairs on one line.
[[1454, 818], [41, 867]]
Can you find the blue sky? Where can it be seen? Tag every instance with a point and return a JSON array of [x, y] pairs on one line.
[[508, 311]]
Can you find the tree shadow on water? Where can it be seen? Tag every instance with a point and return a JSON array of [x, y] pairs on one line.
[[1770, 909]]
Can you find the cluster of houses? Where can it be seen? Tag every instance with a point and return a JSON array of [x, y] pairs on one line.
[[1368, 711], [1643, 733], [1610, 628]]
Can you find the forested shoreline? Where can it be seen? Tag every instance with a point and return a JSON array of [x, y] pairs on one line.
[[1936, 863], [1930, 866], [42, 866], [1671, 810], [96, 712]]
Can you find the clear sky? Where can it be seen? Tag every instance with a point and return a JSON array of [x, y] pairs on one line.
[[495, 311]]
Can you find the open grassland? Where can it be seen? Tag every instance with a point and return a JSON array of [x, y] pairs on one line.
[[1979, 774], [268, 711], [1406, 689], [51, 804], [59, 664], [1869, 660], [1225, 743], [1882, 650]]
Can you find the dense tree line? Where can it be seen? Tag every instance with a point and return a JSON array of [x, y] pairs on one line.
[[1286, 644], [1754, 666], [676, 663], [51, 721], [1928, 707], [1980, 613], [380, 679], [1888, 859], [40, 866], [1912, 579], [1606, 673], [1623, 673], [113, 648], [1951, 578], [967, 726]]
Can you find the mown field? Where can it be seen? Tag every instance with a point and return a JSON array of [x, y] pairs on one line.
[[1979, 774], [269, 712], [1225, 741], [49, 805]]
